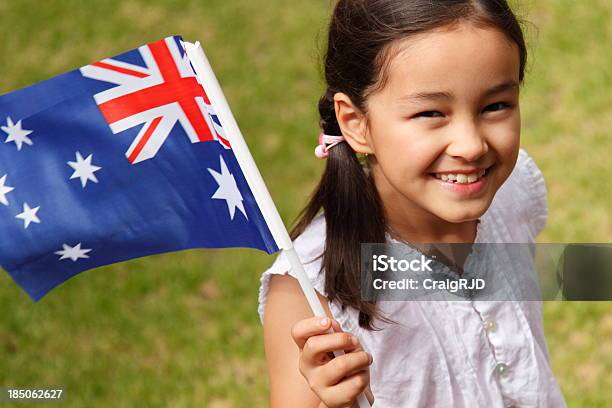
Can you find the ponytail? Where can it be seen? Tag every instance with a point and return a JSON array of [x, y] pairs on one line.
[[353, 214]]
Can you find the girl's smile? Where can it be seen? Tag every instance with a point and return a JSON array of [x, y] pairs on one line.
[[468, 182]]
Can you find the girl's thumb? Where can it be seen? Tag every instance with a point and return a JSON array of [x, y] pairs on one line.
[[336, 326]]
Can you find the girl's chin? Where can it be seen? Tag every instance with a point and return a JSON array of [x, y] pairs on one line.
[[459, 219], [463, 212]]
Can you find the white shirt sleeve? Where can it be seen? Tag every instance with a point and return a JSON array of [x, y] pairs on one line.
[[309, 247], [536, 203], [519, 209]]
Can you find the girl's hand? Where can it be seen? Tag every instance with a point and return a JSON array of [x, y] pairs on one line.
[[337, 381]]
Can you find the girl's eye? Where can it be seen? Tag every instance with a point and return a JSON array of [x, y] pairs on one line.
[[429, 114], [497, 106]]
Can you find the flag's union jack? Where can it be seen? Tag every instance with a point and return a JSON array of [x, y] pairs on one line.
[[160, 94]]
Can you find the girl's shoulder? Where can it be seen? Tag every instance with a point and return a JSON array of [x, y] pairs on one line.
[[309, 247], [521, 203]]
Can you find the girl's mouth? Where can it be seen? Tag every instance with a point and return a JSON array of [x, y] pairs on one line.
[[462, 178], [463, 183]]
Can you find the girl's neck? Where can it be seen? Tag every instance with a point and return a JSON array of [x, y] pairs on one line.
[[419, 229]]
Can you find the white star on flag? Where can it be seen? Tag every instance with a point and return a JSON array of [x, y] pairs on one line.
[[84, 169], [228, 190], [73, 253], [29, 215], [4, 190], [16, 133]]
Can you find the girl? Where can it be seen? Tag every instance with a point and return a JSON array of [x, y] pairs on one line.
[[421, 127]]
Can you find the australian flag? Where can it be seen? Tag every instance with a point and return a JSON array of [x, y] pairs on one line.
[[119, 159]]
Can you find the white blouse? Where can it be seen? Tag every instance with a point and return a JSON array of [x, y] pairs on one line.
[[454, 353]]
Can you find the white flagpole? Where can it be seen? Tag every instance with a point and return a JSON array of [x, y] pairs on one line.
[[207, 78]]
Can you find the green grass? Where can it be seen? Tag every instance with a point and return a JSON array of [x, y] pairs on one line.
[[182, 329]]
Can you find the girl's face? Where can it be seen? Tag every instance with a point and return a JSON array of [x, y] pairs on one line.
[[445, 129]]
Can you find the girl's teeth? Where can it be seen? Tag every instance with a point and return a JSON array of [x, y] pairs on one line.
[[461, 178]]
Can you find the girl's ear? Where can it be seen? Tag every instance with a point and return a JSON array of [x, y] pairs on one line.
[[352, 123]]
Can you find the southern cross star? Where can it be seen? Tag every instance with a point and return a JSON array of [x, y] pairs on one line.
[[4, 190], [228, 190], [16, 133], [29, 215], [73, 253], [83, 169]]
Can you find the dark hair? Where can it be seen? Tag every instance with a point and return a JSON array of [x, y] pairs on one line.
[[358, 51]]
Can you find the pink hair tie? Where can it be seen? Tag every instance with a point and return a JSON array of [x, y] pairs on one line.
[[321, 151]]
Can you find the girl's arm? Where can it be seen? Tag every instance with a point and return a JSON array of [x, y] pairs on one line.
[[285, 306], [288, 324]]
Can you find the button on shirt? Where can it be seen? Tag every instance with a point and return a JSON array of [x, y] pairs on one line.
[[465, 353]]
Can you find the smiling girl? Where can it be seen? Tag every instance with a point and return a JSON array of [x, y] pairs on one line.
[[421, 133]]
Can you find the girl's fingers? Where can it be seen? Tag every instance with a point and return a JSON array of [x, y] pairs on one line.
[[317, 339], [316, 348], [345, 392], [344, 366], [312, 326]]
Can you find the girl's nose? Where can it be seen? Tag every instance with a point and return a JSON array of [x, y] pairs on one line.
[[468, 143]]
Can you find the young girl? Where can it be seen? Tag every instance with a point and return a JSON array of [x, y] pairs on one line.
[[421, 126]]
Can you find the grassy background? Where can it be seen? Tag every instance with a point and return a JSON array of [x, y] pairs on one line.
[[182, 329]]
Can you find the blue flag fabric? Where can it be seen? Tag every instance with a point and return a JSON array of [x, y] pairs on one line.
[[116, 160]]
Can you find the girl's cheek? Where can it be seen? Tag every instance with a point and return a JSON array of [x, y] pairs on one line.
[[404, 143], [504, 140], [409, 153]]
